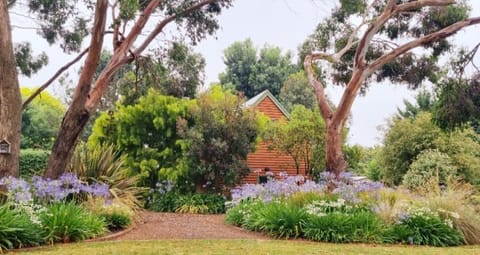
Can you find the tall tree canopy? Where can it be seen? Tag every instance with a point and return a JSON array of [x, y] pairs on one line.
[[296, 90], [40, 120], [69, 22], [365, 41], [250, 71]]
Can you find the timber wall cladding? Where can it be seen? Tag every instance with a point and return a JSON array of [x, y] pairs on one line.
[[263, 157]]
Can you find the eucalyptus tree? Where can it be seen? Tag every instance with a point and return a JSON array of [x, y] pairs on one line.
[[364, 41], [131, 26]]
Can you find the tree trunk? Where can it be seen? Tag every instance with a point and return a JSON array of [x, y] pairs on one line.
[[10, 98], [75, 120], [77, 115], [335, 161]]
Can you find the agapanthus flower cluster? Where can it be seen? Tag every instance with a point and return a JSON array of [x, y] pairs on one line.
[[275, 189], [48, 190], [163, 187], [347, 189]]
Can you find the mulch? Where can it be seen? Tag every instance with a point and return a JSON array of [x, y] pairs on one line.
[[157, 226]]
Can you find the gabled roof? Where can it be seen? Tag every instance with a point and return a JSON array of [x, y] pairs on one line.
[[254, 101]]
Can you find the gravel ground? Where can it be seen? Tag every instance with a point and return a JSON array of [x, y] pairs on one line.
[[155, 225]]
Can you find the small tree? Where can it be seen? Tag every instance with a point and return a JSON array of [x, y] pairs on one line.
[[222, 134], [147, 133], [302, 137], [40, 120], [378, 48], [297, 90]]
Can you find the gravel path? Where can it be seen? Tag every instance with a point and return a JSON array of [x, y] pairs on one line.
[[186, 226]]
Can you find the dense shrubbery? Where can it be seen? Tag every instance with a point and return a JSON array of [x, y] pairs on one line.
[[67, 221], [32, 162], [406, 139], [355, 212], [165, 199]]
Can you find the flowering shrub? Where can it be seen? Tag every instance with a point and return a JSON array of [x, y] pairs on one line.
[[44, 210], [421, 226], [274, 189], [44, 191], [164, 198], [350, 212]]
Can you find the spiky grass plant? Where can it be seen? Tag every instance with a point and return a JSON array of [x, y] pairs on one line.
[[105, 165]]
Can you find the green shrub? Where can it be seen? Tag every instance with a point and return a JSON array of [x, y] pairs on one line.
[[200, 203], [430, 165], [340, 227], [190, 203], [17, 230], [214, 202], [425, 230], [33, 162], [166, 202], [116, 214], [280, 220], [67, 222], [238, 215], [117, 221]]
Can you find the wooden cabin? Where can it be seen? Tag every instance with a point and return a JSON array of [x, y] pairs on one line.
[[263, 161]]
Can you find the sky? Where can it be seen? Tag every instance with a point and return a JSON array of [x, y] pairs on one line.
[[283, 23]]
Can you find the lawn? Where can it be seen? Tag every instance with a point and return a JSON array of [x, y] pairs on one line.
[[202, 247]]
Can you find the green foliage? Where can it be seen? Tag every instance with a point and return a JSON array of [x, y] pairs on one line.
[[200, 203], [407, 138], [297, 90], [147, 132], [240, 214], [164, 202], [424, 102], [425, 230], [40, 120], [280, 220], [302, 137], [33, 162], [250, 71], [66, 221], [404, 140], [458, 102], [240, 59], [27, 63], [221, 136], [430, 165], [116, 214], [343, 227], [117, 221], [353, 155], [17, 230]]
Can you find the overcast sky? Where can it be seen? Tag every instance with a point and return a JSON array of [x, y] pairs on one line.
[[283, 23]]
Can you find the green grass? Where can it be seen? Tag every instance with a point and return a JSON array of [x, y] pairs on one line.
[[213, 247]]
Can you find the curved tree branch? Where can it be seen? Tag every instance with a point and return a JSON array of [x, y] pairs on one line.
[[120, 57], [164, 22], [55, 76], [443, 33], [322, 101]]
